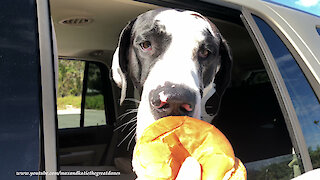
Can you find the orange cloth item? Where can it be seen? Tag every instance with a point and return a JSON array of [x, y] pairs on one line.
[[166, 143]]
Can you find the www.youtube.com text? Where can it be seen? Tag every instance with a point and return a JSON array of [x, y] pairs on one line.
[[68, 173]]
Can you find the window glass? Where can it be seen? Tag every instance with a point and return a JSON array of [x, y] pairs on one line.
[[84, 136], [281, 167], [94, 113], [303, 98], [318, 29], [250, 115], [71, 73], [20, 91], [78, 79], [251, 118]]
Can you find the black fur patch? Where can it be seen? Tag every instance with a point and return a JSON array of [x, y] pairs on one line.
[[140, 62]]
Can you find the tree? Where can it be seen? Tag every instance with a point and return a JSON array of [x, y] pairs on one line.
[[70, 78]]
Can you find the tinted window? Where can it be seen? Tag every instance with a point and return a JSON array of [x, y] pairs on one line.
[[318, 29], [94, 113], [20, 101], [250, 115], [303, 98]]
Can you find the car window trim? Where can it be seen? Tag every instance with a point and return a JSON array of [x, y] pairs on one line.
[[48, 88], [314, 83], [107, 97], [205, 8], [84, 92], [281, 91]]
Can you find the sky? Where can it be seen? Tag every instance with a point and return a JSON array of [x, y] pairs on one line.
[[310, 6]]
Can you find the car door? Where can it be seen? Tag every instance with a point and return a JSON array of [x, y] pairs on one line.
[[301, 98]]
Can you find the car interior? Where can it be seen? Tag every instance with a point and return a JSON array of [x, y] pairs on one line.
[[87, 33]]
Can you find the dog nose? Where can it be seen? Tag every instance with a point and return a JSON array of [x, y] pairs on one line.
[[172, 100]]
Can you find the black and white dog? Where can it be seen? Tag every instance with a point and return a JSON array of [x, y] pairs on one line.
[[177, 59]]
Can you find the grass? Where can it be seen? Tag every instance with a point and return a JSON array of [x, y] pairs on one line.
[[92, 102], [95, 102], [75, 101]]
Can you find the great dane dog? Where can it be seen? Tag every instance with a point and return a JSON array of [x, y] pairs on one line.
[[178, 60]]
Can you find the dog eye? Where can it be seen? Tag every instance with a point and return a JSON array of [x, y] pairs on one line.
[[204, 53], [146, 46]]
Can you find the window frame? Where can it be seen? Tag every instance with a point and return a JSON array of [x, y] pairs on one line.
[[108, 101], [279, 86], [318, 29], [84, 92], [47, 50]]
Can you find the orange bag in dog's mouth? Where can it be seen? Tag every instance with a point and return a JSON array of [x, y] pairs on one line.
[[165, 144]]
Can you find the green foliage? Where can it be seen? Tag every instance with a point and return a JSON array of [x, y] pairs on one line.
[[71, 74], [278, 171], [315, 156], [92, 102], [281, 171], [274, 169], [70, 78], [95, 102], [94, 78]]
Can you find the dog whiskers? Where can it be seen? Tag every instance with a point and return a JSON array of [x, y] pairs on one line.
[[133, 126], [125, 124], [129, 111], [133, 130], [133, 100], [132, 120]]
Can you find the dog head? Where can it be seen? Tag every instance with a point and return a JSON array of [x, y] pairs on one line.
[[177, 59]]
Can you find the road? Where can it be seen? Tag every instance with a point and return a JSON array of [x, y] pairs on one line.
[[70, 118]]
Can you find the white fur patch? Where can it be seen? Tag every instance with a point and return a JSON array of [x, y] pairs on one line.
[[118, 76], [163, 97], [116, 70]]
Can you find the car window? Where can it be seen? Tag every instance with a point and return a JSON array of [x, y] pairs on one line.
[[318, 29], [80, 99], [71, 73], [250, 115], [252, 120], [85, 112], [94, 109], [304, 100]]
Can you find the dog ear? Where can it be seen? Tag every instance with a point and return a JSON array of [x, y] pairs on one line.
[[222, 78], [120, 60]]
